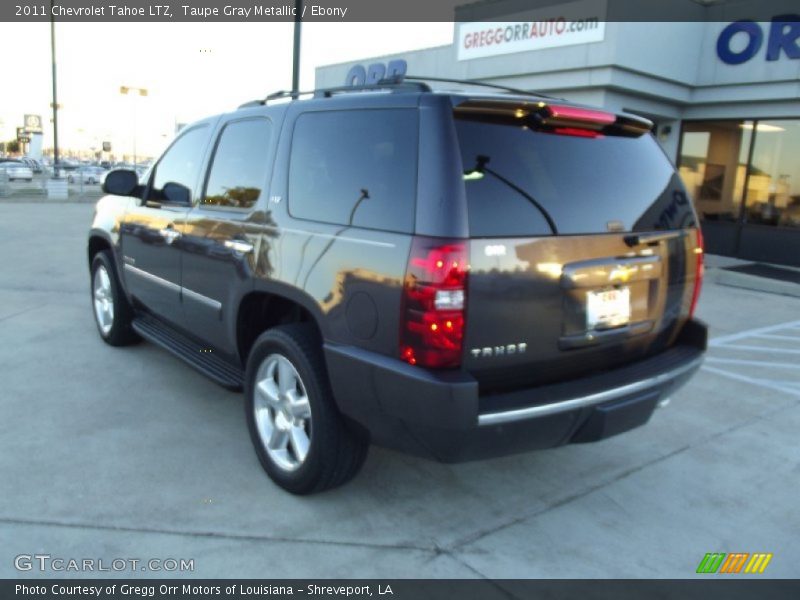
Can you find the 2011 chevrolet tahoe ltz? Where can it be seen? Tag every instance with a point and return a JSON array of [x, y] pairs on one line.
[[453, 274]]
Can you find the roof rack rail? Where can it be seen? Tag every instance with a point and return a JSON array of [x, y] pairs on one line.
[[479, 84], [392, 84], [395, 84]]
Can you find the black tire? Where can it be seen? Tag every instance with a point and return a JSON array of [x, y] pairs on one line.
[[120, 332], [336, 452]]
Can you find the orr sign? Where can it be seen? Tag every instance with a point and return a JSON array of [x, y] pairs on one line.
[[740, 41]]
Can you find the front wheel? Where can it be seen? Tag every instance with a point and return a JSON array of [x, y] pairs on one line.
[[301, 440], [112, 313]]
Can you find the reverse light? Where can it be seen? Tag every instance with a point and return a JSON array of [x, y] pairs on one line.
[[434, 296]]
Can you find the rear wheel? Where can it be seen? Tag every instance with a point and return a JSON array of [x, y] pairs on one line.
[[112, 313], [301, 440]]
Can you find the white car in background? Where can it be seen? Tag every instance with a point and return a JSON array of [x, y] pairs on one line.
[[89, 175], [16, 170]]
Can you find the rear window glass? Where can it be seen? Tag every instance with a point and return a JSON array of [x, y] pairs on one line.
[[355, 168], [585, 185]]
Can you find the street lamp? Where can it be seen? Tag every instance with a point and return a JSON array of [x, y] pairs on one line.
[[134, 91], [54, 103]]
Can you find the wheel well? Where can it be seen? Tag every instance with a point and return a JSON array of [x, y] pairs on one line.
[[97, 244], [260, 311]]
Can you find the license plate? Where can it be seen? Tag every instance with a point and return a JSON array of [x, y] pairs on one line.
[[608, 308]]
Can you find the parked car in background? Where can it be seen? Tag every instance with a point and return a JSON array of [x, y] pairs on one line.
[[17, 170], [34, 164], [89, 175], [66, 165]]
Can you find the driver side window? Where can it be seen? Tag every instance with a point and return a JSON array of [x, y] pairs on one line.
[[181, 162]]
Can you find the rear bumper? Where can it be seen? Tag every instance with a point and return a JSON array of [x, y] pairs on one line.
[[441, 415]]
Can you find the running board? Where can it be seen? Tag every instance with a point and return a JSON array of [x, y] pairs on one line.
[[198, 356]]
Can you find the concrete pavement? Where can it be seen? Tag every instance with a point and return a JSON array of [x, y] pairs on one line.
[[128, 453]]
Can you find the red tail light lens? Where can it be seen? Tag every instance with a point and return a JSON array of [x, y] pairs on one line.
[[700, 271], [575, 132], [434, 295]]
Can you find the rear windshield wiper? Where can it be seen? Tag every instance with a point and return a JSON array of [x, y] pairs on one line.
[[480, 167]]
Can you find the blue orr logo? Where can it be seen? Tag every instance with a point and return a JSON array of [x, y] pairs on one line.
[[784, 37], [359, 75]]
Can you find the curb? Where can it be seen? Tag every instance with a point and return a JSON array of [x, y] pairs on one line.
[[753, 282]]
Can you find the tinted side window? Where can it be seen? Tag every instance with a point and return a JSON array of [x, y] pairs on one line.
[[181, 162], [355, 168], [239, 167]]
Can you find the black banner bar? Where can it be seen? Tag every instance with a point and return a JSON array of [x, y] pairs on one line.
[[716, 587], [388, 10]]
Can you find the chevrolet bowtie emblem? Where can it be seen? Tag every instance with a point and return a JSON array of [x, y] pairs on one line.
[[621, 273]]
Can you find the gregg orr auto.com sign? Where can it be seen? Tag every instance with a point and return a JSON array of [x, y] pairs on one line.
[[562, 25]]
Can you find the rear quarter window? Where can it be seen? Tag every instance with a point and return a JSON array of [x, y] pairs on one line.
[[355, 168]]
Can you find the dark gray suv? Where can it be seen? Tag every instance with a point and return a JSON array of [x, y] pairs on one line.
[[452, 274]]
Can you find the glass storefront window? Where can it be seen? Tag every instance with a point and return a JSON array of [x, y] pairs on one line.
[[713, 166], [773, 189]]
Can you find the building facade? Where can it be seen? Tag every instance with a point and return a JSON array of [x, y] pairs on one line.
[[724, 97]]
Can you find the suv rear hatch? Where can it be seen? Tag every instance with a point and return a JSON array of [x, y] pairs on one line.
[[584, 251]]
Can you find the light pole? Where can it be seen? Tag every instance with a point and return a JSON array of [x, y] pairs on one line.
[[55, 94], [125, 90], [298, 23]]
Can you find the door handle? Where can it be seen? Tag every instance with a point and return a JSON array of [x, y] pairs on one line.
[[239, 246], [169, 234]]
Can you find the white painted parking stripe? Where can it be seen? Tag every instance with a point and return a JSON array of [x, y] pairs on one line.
[[753, 381], [762, 355], [751, 363], [769, 336], [759, 349], [792, 384], [751, 332]]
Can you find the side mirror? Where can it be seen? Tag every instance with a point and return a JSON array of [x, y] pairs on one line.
[[176, 193], [121, 182]]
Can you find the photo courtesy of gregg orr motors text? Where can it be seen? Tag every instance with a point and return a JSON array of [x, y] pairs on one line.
[[195, 590]]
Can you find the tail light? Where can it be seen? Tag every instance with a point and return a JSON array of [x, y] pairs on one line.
[[699, 272], [434, 296]]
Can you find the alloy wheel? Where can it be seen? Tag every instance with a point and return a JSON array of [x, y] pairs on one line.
[[103, 300], [282, 412]]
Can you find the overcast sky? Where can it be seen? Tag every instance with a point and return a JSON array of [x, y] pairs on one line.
[[190, 71]]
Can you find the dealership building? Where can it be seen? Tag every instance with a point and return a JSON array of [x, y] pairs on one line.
[[724, 96]]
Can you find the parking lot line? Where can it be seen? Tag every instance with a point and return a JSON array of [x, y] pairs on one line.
[[760, 349], [751, 363], [753, 332], [767, 383], [769, 336]]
